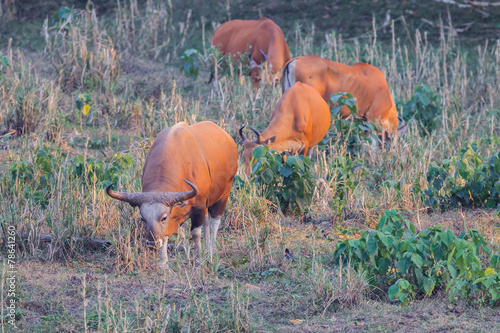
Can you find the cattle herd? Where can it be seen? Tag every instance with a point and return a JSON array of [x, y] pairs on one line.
[[189, 170]]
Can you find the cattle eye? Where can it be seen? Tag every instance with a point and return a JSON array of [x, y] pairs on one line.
[[164, 218]]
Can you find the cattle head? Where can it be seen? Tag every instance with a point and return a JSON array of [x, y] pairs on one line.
[[249, 146], [155, 208], [256, 69]]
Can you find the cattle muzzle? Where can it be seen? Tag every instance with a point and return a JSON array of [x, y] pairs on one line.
[[154, 245]]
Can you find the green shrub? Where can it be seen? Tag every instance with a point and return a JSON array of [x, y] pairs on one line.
[[352, 133], [38, 176], [289, 183], [406, 263], [424, 108], [464, 181], [342, 171], [192, 60], [97, 171]]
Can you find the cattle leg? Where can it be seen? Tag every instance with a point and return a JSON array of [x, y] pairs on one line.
[[197, 219], [163, 252], [215, 223], [206, 234], [215, 212]]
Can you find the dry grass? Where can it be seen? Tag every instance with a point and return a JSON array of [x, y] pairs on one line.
[[127, 62]]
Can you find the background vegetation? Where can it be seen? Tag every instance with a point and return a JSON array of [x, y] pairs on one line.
[[85, 88]]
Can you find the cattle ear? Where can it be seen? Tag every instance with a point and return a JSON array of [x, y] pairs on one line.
[[269, 141], [181, 203]]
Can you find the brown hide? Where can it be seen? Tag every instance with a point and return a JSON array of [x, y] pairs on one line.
[[299, 121], [239, 36], [203, 154], [365, 82]]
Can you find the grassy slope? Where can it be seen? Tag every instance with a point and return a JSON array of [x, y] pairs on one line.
[[51, 291]]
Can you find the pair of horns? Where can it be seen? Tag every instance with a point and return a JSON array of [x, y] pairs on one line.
[[167, 198], [252, 62], [244, 137]]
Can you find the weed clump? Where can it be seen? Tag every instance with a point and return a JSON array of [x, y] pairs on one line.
[[407, 263], [467, 180], [287, 181]]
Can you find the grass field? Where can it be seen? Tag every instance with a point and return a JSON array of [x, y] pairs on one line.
[[84, 90]]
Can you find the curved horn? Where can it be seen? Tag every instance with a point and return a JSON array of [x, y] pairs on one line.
[[167, 198], [263, 54], [181, 196], [243, 136], [134, 199], [402, 126], [257, 133], [252, 62]]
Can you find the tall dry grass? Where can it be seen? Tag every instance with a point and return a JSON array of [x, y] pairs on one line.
[[86, 55]]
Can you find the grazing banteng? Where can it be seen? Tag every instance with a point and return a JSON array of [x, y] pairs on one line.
[[263, 38], [189, 171], [365, 82], [299, 121]]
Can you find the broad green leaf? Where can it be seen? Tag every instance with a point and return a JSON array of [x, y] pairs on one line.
[[383, 264], [404, 264], [286, 171], [371, 245], [260, 151], [429, 285], [404, 284], [447, 237], [267, 176], [393, 290], [417, 259]]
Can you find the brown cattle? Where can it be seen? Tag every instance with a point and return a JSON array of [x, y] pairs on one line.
[[299, 121], [263, 38], [188, 172], [365, 82]]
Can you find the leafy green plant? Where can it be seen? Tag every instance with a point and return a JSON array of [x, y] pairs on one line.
[[62, 15], [192, 60], [352, 133], [342, 169], [407, 263], [97, 171], [289, 183], [83, 103], [466, 180], [39, 175], [424, 108], [4, 62]]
